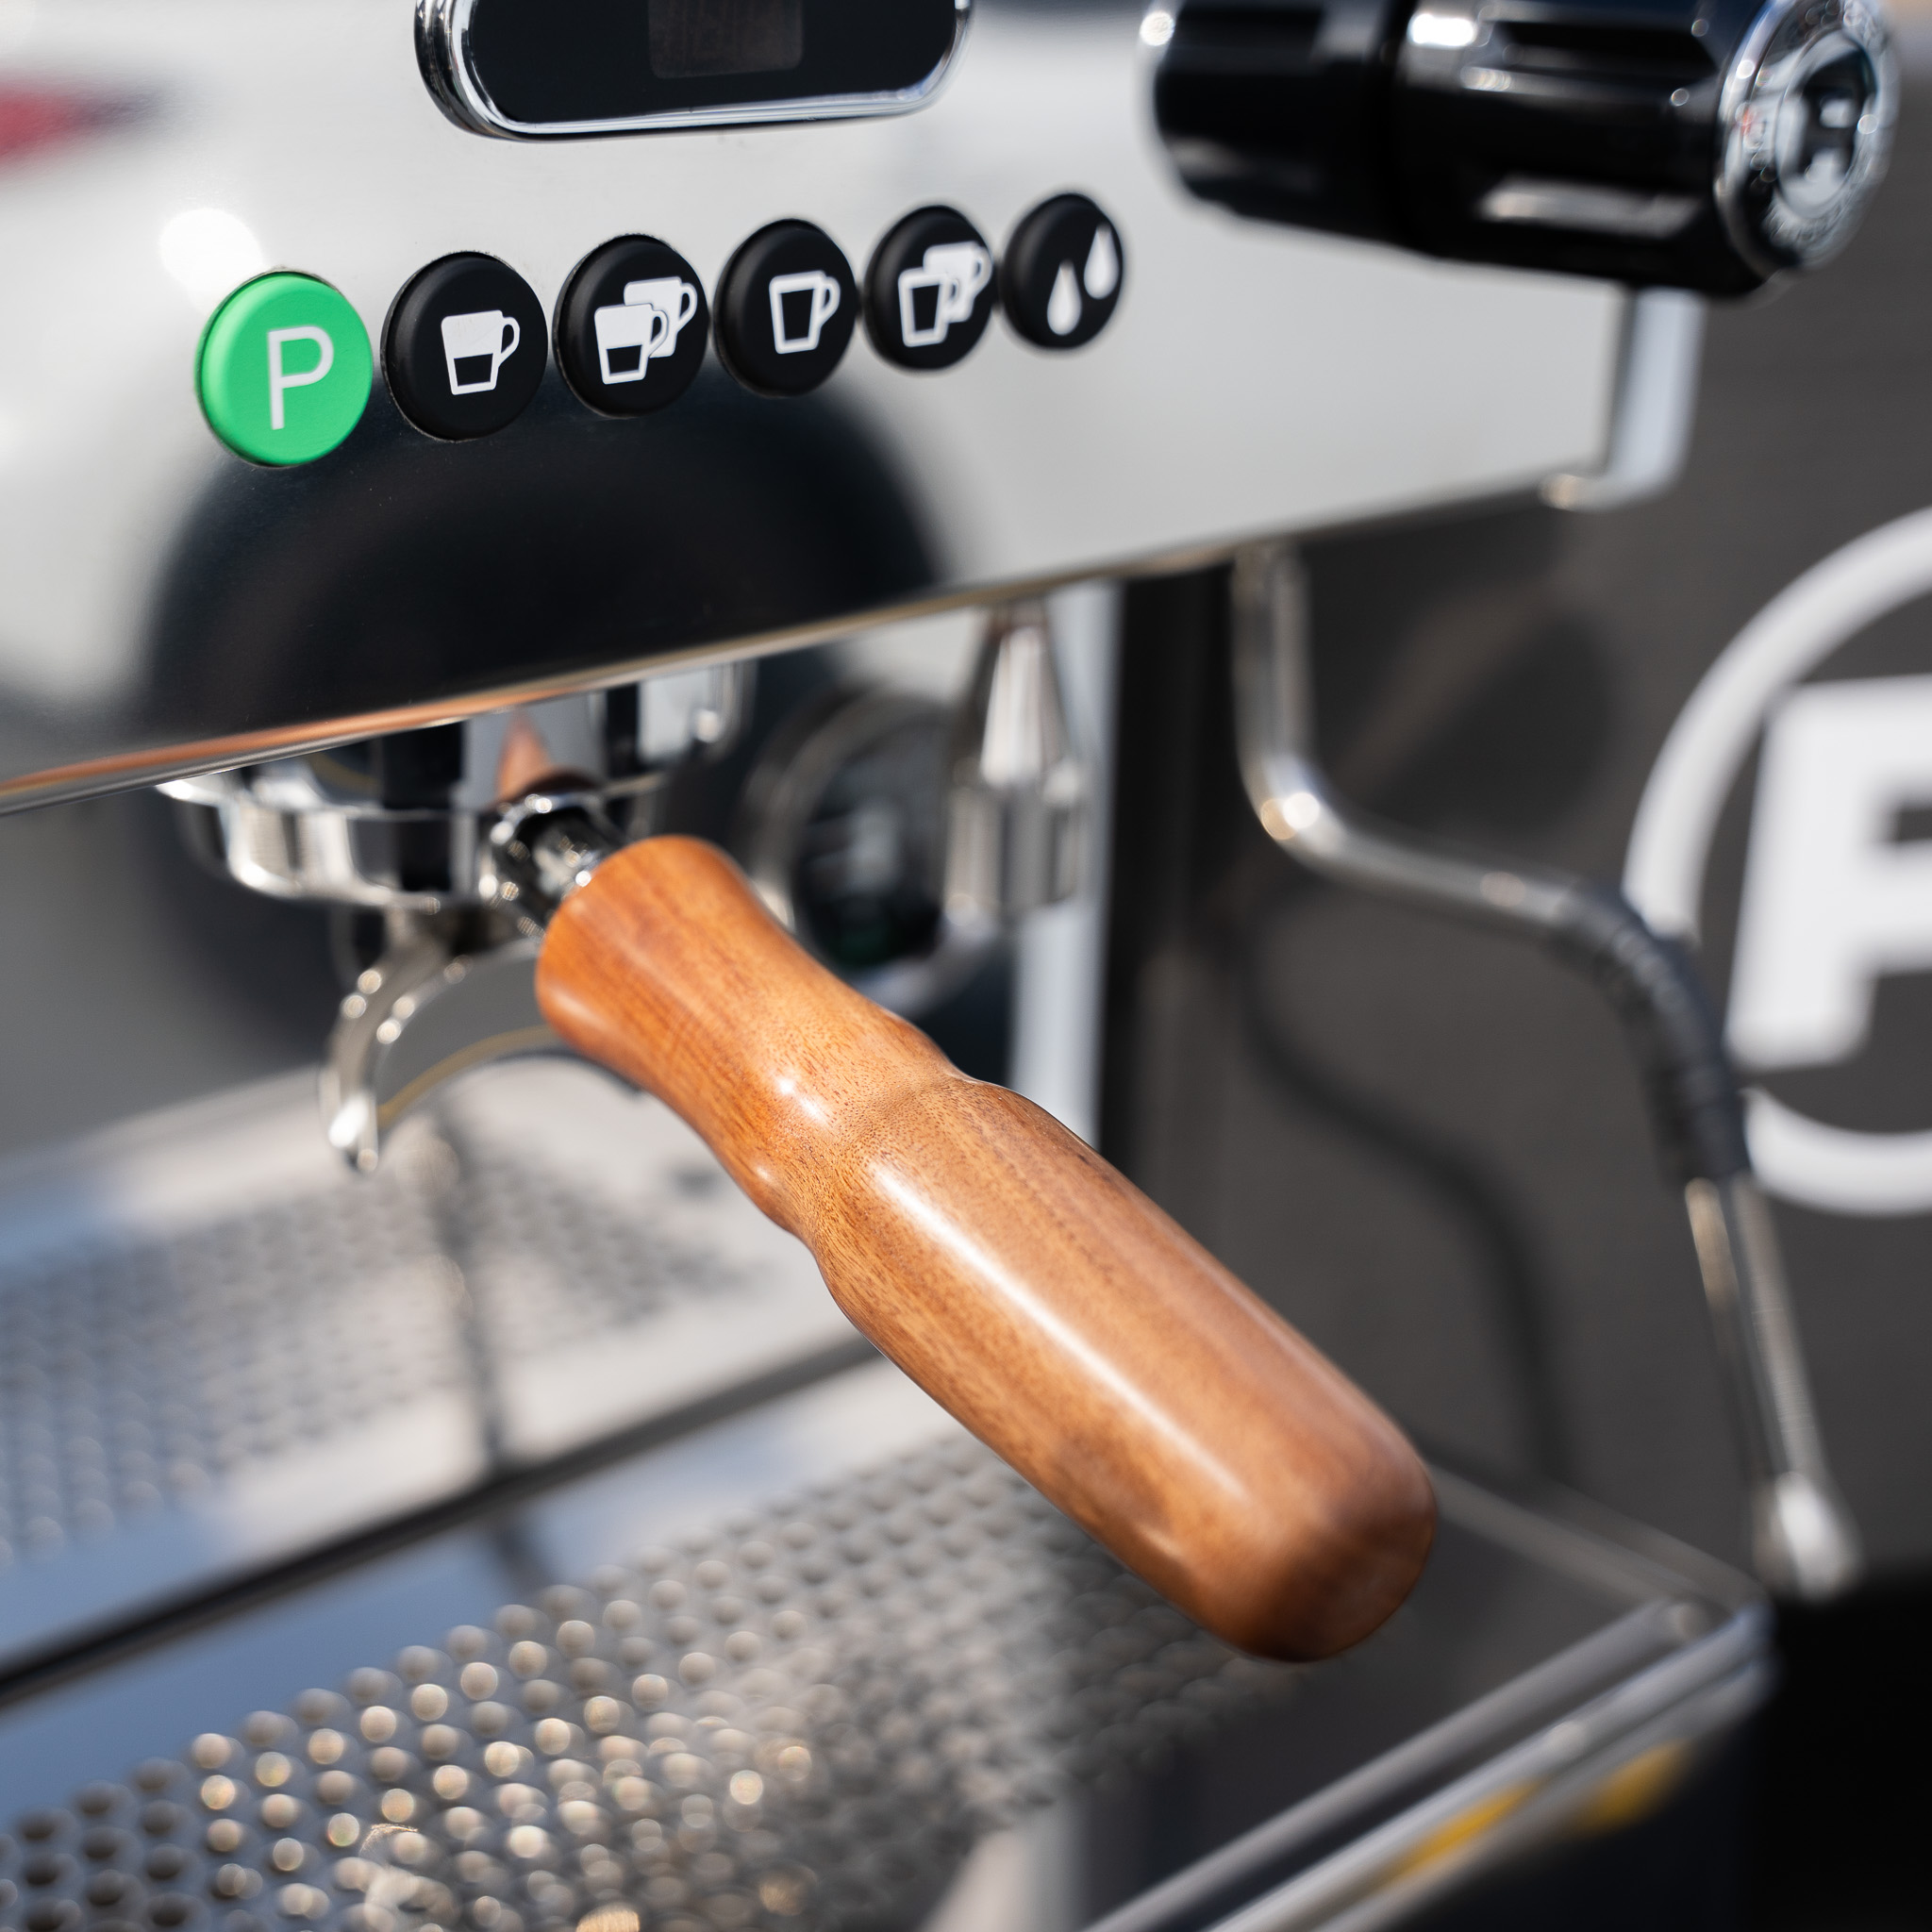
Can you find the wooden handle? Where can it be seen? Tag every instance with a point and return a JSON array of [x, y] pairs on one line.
[[1006, 1268]]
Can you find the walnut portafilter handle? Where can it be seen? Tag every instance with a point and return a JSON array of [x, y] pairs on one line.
[[1008, 1269]]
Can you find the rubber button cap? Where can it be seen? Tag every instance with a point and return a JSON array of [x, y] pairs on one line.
[[465, 348], [284, 369], [787, 307], [1061, 275], [929, 289], [631, 327]]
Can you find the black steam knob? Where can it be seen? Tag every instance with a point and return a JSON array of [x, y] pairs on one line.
[[1703, 144]]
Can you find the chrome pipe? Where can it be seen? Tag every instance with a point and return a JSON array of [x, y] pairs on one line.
[[1803, 1540]]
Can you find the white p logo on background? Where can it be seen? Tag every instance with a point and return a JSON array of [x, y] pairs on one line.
[[1832, 899], [280, 379]]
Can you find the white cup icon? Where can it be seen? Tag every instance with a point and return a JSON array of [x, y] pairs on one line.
[[801, 306], [940, 291], [969, 267], [674, 296], [629, 335], [476, 346]]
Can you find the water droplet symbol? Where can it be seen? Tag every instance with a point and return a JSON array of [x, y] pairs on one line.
[[1103, 272], [1063, 304]]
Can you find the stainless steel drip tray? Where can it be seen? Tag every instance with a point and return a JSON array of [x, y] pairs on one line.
[[223, 1347], [829, 1664]]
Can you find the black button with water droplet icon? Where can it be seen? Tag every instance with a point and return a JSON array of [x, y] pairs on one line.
[[1061, 275]]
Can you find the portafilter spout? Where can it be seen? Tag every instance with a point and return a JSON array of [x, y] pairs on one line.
[[402, 827]]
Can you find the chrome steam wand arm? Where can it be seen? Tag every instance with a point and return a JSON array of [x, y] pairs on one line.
[[1803, 1543]]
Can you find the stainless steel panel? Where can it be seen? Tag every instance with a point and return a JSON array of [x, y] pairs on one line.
[[164, 605]]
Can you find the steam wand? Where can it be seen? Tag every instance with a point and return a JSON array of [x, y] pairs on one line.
[[1803, 1543]]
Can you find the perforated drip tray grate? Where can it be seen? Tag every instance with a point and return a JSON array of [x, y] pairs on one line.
[[817, 1706], [829, 1665], [824, 1663], [223, 1347]]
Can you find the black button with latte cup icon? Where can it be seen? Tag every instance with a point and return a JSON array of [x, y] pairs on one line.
[[1061, 277], [787, 307], [464, 347], [929, 290], [631, 327]]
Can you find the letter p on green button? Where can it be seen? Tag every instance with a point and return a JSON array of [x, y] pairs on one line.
[[284, 369]]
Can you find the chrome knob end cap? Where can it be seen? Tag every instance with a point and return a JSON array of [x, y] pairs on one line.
[[1805, 126]]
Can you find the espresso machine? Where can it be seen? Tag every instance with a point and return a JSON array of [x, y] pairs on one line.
[[610, 532]]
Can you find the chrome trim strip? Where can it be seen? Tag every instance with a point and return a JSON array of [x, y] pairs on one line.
[[160, 764], [1730, 1664], [1423, 1854]]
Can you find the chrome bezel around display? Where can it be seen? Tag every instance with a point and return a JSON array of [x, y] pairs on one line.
[[443, 52]]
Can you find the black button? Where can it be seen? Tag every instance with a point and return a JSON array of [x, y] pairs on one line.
[[1060, 279], [464, 348], [787, 307], [929, 290], [631, 328]]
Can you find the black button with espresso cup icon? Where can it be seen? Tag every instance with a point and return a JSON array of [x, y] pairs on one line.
[[929, 289], [464, 347], [1061, 277], [787, 307], [631, 327]]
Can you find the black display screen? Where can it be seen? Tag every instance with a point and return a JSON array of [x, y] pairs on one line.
[[562, 62], [693, 39]]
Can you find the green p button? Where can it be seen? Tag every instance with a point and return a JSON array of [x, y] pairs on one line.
[[284, 369]]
